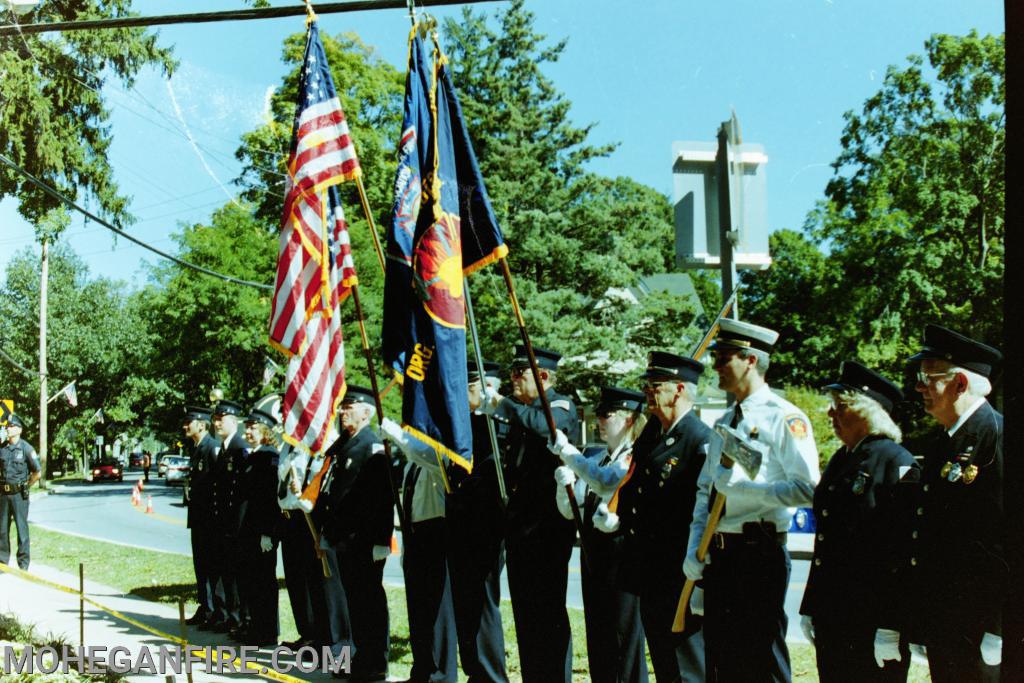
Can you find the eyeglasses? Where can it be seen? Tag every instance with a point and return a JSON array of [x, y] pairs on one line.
[[654, 386], [518, 372], [927, 377]]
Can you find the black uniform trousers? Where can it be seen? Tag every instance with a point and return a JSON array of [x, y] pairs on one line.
[[475, 566], [615, 635], [675, 656], [846, 654], [954, 656], [228, 552], [302, 573], [538, 575], [332, 619], [208, 594], [429, 600], [259, 581], [14, 505], [362, 579], [744, 611]]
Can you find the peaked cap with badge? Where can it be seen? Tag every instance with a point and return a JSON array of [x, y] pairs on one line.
[[859, 378], [197, 413], [617, 398], [736, 334], [491, 369], [942, 343], [262, 417], [669, 366], [358, 394], [546, 359], [225, 407], [15, 421]]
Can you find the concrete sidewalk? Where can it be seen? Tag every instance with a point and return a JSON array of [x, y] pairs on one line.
[[55, 612]]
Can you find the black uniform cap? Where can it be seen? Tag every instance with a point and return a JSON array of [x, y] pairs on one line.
[[228, 408], [197, 413], [945, 344], [856, 377], [546, 359], [663, 365], [617, 398], [491, 369], [357, 394], [15, 421], [261, 417]]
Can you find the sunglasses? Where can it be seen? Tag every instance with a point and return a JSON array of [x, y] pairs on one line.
[[928, 377]]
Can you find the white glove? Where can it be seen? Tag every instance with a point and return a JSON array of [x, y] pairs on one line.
[[692, 567], [887, 646], [919, 650], [807, 626], [728, 477], [492, 382], [697, 601], [562, 502], [266, 545], [380, 553], [562, 448], [992, 649], [305, 505], [605, 520], [492, 399], [392, 431], [564, 477]]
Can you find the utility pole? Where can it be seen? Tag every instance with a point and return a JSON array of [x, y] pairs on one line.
[[43, 394], [728, 135]]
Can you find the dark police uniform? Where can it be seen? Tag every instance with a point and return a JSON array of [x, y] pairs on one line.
[[17, 462], [539, 540], [260, 516], [356, 513], [225, 497], [199, 520], [957, 573], [615, 634], [655, 508], [862, 506], [476, 551]]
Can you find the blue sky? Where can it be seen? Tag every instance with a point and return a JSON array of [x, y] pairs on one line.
[[647, 73]]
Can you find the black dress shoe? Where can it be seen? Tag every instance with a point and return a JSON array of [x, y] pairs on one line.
[[218, 627], [196, 619], [257, 640]]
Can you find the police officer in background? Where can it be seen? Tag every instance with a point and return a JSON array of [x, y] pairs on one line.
[[19, 469], [957, 573], [539, 540], [260, 527], [356, 512], [476, 542], [205, 542], [656, 507], [745, 582], [225, 497], [615, 634], [863, 508]]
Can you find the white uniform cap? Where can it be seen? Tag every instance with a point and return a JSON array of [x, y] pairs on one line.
[[738, 334]]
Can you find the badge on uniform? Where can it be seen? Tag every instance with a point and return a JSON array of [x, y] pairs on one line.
[[199, 466], [230, 466], [970, 474], [666, 469], [860, 484], [797, 426]]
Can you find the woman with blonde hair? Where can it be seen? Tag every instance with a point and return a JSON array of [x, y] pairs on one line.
[[615, 635], [863, 513]]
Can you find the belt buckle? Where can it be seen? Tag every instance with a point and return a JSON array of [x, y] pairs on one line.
[[719, 540]]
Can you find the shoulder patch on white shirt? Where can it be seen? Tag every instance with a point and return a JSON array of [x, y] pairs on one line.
[[797, 426], [561, 403]]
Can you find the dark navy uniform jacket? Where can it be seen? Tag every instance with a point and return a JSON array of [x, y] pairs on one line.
[[863, 508], [354, 508], [200, 487], [530, 465], [226, 490], [957, 570], [259, 511], [17, 462], [655, 505]]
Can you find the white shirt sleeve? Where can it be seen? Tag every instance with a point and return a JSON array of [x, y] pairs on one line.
[[798, 457]]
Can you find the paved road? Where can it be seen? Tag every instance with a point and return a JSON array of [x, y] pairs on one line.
[[104, 511]]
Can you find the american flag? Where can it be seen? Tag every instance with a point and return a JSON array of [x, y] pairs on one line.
[[315, 271]]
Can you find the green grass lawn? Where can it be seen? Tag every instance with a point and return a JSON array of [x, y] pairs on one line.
[[162, 577]]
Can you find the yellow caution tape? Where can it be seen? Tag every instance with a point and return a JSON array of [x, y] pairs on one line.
[[236, 663]]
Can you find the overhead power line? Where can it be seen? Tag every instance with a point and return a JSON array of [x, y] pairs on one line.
[[59, 196], [228, 15]]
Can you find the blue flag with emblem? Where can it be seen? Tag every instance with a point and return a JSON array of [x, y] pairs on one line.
[[443, 228]]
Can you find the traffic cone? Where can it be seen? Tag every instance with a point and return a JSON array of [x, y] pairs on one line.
[[149, 505], [141, 487], [135, 497]]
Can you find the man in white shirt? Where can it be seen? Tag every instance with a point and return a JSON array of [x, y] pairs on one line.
[[745, 579]]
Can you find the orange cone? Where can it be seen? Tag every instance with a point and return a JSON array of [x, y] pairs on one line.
[[141, 487], [149, 505], [135, 497], [394, 545]]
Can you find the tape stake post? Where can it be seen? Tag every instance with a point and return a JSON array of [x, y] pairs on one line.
[[81, 605]]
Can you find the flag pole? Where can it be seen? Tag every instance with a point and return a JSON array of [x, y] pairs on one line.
[[369, 219], [545, 403], [491, 432]]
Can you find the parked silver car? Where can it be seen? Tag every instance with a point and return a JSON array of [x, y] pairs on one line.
[[178, 469]]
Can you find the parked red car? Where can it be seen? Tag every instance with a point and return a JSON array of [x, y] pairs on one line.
[[107, 469]]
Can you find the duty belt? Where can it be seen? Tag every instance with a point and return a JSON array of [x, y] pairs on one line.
[[11, 488], [753, 534]]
